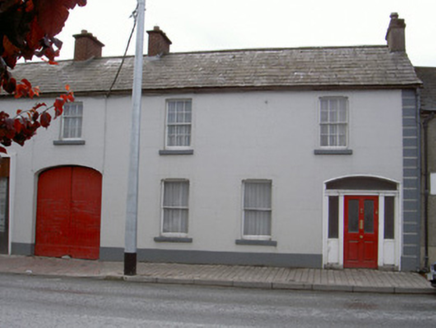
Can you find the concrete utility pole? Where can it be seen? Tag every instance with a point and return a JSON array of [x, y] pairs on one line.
[[130, 259]]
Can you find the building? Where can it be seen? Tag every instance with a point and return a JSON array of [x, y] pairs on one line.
[[304, 157], [428, 110]]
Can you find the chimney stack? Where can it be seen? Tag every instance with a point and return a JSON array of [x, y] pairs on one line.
[[395, 36], [87, 46], [158, 42]]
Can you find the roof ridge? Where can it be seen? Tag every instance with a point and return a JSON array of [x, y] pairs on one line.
[[278, 49], [224, 51]]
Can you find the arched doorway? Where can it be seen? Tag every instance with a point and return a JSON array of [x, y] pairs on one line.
[[68, 213], [361, 220]]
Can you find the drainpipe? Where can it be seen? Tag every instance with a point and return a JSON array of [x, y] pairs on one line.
[[425, 123]]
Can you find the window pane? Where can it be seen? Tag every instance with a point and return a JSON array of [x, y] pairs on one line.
[[342, 111], [171, 113], [324, 116], [342, 135], [183, 135], [257, 195], [180, 114], [369, 216], [353, 215], [176, 194], [257, 223], [324, 104], [333, 117], [389, 217], [333, 135], [175, 221], [188, 106], [171, 136], [324, 135], [187, 118], [333, 217]]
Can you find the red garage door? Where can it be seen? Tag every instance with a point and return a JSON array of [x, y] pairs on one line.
[[68, 213]]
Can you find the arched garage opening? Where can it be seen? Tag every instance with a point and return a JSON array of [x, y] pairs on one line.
[[68, 213]]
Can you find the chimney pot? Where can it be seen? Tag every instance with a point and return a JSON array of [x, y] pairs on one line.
[[394, 16]]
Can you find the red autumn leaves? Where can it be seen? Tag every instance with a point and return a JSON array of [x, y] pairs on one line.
[[28, 28], [23, 126]]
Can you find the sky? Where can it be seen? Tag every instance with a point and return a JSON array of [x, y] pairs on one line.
[[201, 25]]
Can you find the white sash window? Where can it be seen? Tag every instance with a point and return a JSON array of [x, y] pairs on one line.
[[72, 121], [257, 210], [178, 129], [334, 122], [175, 208]]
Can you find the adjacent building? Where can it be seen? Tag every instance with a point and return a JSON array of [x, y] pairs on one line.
[[428, 110]]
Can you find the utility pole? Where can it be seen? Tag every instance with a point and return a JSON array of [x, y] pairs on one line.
[[130, 258]]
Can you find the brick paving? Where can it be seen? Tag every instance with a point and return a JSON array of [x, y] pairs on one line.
[[350, 280]]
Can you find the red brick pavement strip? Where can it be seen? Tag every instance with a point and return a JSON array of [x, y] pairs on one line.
[[350, 280]]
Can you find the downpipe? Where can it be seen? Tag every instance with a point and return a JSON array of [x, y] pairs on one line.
[[426, 174]]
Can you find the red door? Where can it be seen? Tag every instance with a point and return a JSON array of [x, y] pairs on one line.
[[68, 213], [361, 232]]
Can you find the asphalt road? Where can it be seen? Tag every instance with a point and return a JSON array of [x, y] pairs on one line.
[[30, 301]]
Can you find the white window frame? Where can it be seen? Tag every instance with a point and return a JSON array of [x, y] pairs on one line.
[[333, 123], [78, 117], [164, 207], [244, 209], [168, 124]]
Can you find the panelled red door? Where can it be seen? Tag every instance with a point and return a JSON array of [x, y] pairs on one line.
[[68, 213], [360, 231]]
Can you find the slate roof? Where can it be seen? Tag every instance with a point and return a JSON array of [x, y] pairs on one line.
[[300, 68], [428, 92]]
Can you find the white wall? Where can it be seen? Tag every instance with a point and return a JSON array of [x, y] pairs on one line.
[[236, 136], [259, 135]]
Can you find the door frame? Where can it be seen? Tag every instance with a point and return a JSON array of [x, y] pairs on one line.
[[333, 249]]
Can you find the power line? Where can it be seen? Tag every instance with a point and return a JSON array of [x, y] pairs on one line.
[[134, 15]]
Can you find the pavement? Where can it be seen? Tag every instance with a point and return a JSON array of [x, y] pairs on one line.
[[344, 280]]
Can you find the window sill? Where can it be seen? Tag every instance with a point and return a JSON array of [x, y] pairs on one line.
[[333, 151], [176, 152], [251, 242], [172, 240], [68, 142]]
